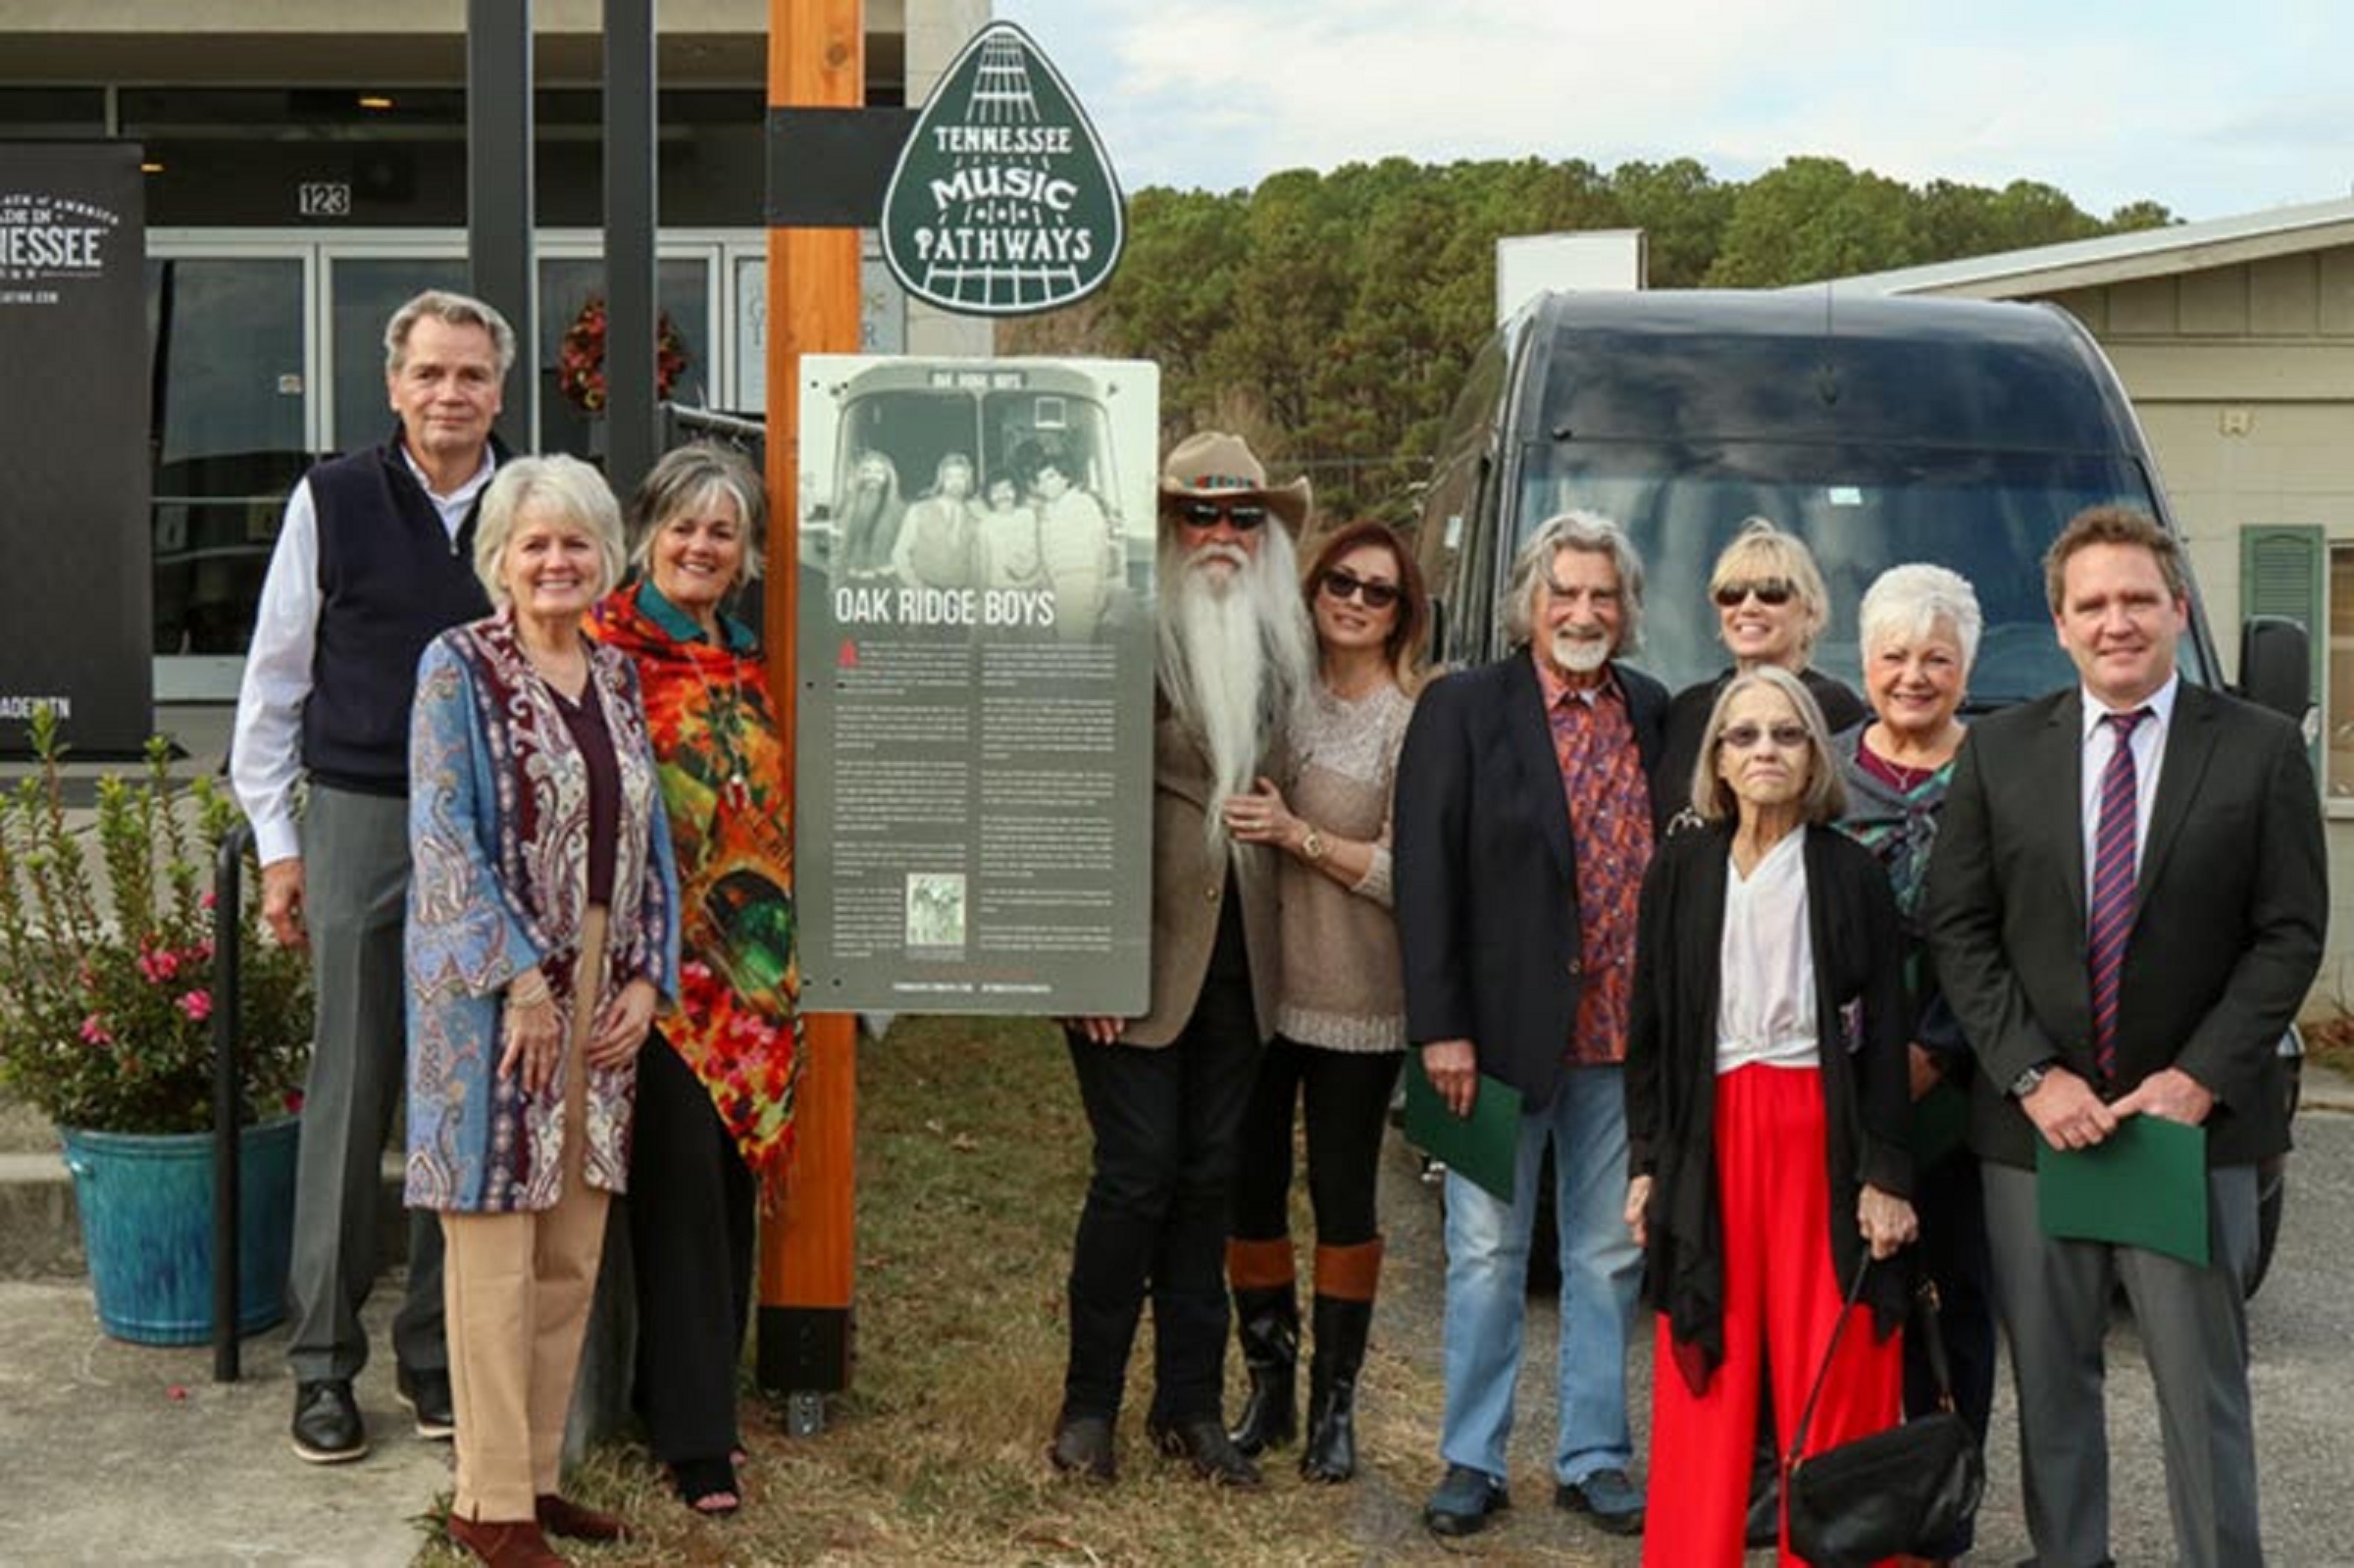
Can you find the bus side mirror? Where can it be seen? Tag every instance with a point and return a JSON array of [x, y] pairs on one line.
[[2275, 665]]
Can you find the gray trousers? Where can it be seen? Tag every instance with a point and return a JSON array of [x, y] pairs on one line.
[[2053, 1300], [355, 869]]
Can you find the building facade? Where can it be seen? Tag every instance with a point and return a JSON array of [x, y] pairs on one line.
[[306, 172]]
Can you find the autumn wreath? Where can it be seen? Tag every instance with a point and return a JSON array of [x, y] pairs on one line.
[[581, 361]]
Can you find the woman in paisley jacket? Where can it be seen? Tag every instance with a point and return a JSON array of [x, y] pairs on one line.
[[541, 933], [716, 1082]]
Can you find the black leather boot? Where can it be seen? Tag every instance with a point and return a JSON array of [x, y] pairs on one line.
[[1340, 1328], [1266, 1323]]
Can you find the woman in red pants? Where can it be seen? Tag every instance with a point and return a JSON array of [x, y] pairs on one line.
[[1766, 1107]]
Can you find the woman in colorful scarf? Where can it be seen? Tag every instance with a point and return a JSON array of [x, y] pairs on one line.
[[715, 1091], [542, 934]]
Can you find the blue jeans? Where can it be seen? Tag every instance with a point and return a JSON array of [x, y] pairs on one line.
[[1487, 1285]]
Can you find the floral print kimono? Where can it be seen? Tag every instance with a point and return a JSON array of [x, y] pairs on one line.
[[498, 838]]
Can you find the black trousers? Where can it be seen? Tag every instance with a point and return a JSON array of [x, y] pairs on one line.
[[1347, 1095], [1950, 1199], [1166, 1124], [692, 1207]]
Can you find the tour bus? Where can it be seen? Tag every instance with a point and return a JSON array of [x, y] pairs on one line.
[[1879, 430]]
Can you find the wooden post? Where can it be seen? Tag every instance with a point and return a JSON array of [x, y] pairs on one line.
[[816, 59]]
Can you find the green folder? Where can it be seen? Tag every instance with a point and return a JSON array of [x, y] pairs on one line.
[[1483, 1146], [2143, 1185]]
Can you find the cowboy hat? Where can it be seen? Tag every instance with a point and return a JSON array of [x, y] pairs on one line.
[[1211, 464]]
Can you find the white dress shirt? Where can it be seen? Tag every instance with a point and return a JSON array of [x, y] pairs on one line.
[[264, 755], [2149, 752], [1766, 963]]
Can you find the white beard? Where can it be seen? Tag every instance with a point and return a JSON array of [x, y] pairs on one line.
[[1235, 650], [1579, 655]]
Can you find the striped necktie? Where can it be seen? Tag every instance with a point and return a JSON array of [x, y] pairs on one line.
[[2113, 873]]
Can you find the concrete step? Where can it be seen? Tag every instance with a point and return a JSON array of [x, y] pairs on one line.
[[40, 1228]]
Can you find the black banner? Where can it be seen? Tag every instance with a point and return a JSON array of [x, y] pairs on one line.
[[76, 579]]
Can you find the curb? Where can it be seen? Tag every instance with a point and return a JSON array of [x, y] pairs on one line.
[[40, 1225]]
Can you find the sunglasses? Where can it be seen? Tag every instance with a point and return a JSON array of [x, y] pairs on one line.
[[1344, 585], [1786, 737], [1771, 592], [1244, 516]]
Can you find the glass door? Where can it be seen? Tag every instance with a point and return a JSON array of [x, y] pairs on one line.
[[231, 376]]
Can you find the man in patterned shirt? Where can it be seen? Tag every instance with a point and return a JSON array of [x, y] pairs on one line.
[[1522, 831]]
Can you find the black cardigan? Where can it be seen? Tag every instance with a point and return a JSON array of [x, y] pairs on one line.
[[1672, 1072]]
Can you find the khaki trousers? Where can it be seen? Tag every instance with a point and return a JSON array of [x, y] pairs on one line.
[[518, 1288]]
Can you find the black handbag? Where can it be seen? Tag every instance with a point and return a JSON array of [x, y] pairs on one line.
[[1894, 1493]]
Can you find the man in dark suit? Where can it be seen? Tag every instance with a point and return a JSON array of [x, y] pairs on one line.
[[2127, 906], [1523, 828]]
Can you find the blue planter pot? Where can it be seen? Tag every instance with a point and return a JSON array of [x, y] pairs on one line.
[[146, 1202]]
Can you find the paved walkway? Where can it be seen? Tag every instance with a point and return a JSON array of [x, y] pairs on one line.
[[117, 1453]]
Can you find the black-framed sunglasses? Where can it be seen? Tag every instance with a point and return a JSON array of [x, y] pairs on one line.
[[1343, 584], [1773, 593], [1244, 516], [1744, 736]]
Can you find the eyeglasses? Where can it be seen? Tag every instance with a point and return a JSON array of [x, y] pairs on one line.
[[1344, 585], [1243, 516], [1773, 593], [1786, 737]]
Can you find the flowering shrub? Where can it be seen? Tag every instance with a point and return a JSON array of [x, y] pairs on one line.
[[580, 358], [106, 998]]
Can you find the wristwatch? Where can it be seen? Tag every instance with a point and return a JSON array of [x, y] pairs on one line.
[[1313, 848], [2024, 1084]]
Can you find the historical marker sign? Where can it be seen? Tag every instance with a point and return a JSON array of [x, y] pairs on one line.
[[1002, 203]]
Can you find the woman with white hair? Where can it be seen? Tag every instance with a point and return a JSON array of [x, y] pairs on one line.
[[542, 930], [1771, 606], [1764, 1118], [1920, 627]]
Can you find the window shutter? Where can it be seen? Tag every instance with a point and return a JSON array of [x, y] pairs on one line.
[[2282, 571]]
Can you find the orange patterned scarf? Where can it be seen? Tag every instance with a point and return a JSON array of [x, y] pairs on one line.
[[738, 1021]]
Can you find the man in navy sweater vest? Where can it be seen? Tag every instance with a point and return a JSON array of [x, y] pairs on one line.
[[374, 558]]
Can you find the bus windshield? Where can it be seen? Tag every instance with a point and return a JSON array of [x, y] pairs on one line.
[[1861, 509]]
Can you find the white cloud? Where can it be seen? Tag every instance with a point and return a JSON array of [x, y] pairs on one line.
[[2208, 110]]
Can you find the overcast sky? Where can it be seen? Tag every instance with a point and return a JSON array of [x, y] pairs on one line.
[[2213, 109]]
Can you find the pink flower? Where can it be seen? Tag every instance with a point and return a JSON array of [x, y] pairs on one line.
[[197, 1004], [93, 1030], [209, 899], [159, 966]]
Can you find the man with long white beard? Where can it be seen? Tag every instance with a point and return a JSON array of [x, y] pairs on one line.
[[1522, 829], [1165, 1092]]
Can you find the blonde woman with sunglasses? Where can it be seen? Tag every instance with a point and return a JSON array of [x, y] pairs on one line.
[[1771, 606], [1341, 1022]]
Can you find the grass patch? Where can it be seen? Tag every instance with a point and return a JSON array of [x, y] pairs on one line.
[[972, 1157]]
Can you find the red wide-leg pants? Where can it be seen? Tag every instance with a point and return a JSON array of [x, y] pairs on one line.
[[1781, 1299]]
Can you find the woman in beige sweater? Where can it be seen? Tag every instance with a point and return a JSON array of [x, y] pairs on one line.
[[1341, 1026]]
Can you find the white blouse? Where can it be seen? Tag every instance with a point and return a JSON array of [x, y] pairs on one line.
[[1766, 963]]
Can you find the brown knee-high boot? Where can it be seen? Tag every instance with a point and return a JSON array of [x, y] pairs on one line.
[[1266, 1325], [1346, 1278]]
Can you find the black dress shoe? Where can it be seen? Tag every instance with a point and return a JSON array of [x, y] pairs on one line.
[[328, 1429], [1083, 1448], [426, 1391], [1203, 1442]]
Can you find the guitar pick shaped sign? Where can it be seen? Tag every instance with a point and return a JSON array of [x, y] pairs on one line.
[[1002, 203]]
